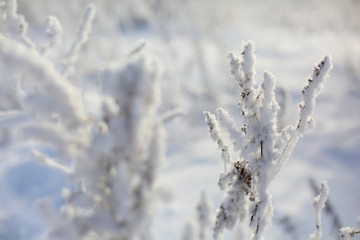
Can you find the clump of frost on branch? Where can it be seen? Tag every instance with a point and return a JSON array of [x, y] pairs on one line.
[[13, 25], [346, 233], [261, 148]]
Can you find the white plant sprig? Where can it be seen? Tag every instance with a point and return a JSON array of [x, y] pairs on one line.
[[81, 39], [319, 204], [55, 94], [117, 173], [16, 26], [262, 149], [346, 233]]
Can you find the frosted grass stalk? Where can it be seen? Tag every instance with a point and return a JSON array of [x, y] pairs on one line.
[[262, 149], [117, 173], [57, 95], [319, 204], [16, 24], [82, 38]]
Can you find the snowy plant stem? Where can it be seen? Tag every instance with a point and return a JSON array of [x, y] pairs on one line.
[[261, 148], [346, 233], [319, 204], [65, 99], [310, 94], [17, 25], [51, 162], [306, 122], [215, 134], [82, 38]]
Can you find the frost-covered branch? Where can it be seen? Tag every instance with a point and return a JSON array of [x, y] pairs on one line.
[[51, 162], [14, 25], [112, 158], [329, 209], [319, 204], [82, 38], [262, 148], [118, 169], [346, 233], [57, 95], [49, 108], [216, 137], [306, 123], [310, 93]]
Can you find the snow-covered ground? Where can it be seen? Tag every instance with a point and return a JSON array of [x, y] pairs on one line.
[[191, 41]]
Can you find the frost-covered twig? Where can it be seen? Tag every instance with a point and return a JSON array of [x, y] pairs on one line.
[[310, 93], [346, 233], [66, 144], [262, 149], [57, 95], [319, 204], [51, 162], [15, 24], [291, 134], [82, 38], [216, 137], [329, 209], [51, 110]]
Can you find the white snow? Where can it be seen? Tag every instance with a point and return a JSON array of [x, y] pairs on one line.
[[190, 41]]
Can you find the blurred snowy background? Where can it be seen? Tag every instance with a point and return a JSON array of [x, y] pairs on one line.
[[191, 40]]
